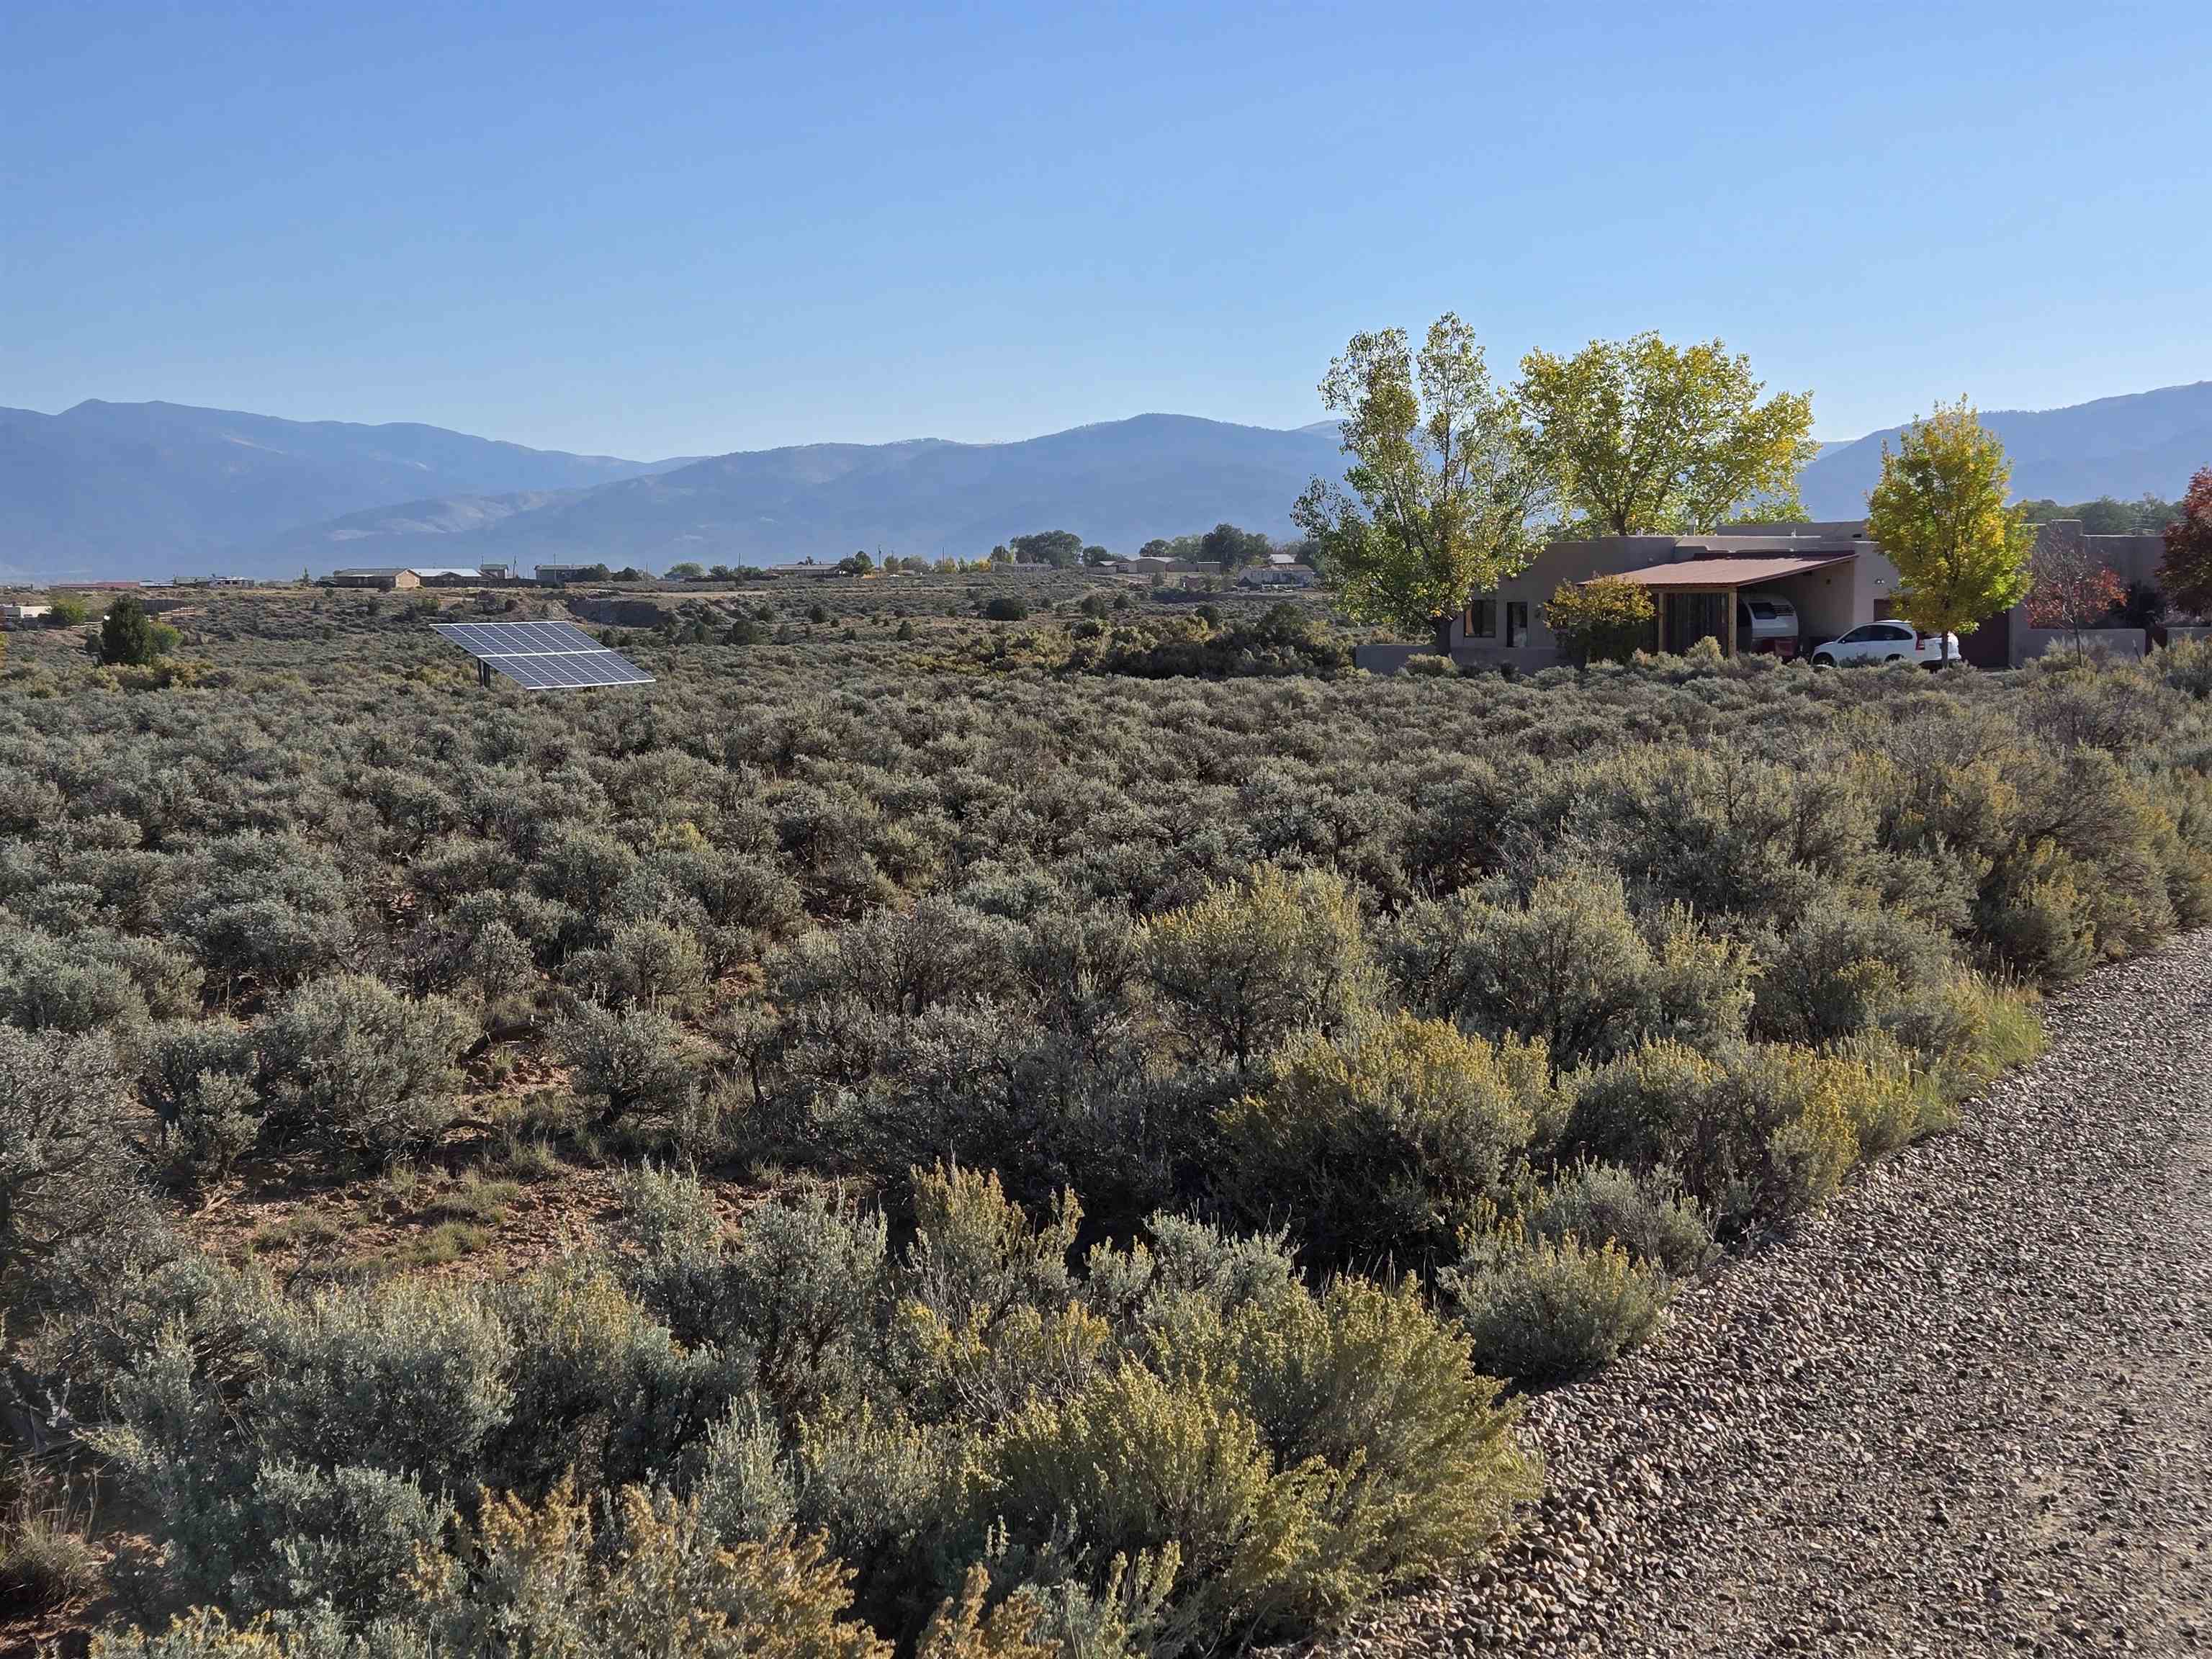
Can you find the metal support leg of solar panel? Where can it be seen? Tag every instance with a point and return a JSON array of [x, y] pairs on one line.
[[542, 656]]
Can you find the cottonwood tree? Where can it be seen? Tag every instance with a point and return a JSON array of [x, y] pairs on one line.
[[2186, 570], [1234, 548], [1645, 437], [1057, 547], [1940, 513], [1446, 487]]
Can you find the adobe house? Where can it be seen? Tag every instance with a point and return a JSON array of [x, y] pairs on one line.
[[384, 577], [2009, 640], [1833, 575]]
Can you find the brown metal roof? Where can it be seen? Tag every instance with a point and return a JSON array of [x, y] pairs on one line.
[[1730, 572]]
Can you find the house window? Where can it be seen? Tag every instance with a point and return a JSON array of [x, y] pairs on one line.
[[1481, 620], [1516, 622]]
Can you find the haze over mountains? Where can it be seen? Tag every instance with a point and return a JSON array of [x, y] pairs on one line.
[[148, 490]]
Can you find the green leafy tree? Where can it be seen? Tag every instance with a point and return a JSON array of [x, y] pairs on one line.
[[1445, 486], [2147, 515], [688, 571], [1648, 438], [1602, 620], [68, 611], [1234, 548], [1057, 547], [1940, 513], [1095, 556], [2186, 570]]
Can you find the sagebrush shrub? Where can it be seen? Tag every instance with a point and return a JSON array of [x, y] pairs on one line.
[[1387, 1142], [1572, 968], [1765, 1130], [626, 1060], [1252, 961], [407, 1375], [1542, 1311], [1646, 1215], [1844, 968], [65, 1172], [348, 1062]]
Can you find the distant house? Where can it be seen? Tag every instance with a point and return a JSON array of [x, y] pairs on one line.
[[1724, 584], [25, 613], [807, 567], [1145, 565], [552, 576], [1830, 573], [385, 577], [1281, 570]]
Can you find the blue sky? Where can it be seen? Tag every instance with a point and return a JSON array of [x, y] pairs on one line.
[[691, 228]]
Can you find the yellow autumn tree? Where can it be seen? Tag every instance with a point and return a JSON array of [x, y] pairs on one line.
[[1940, 513]]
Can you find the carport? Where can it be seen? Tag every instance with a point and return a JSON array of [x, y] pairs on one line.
[[1696, 598]]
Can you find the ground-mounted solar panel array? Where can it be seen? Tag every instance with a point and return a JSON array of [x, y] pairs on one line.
[[544, 656]]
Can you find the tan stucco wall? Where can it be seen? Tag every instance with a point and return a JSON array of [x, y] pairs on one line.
[[1561, 562], [1828, 602]]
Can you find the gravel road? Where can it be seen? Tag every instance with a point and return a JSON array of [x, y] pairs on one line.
[[1967, 1409]]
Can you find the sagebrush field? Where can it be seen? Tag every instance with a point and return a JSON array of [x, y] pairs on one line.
[[1065, 1133]]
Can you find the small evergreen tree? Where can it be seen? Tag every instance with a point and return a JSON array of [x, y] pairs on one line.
[[128, 637]]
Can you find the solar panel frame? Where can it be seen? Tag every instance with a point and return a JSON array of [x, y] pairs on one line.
[[544, 656]]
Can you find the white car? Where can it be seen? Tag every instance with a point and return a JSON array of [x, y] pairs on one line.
[[1886, 642]]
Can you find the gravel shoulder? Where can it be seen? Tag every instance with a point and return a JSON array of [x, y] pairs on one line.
[[1967, 1410]]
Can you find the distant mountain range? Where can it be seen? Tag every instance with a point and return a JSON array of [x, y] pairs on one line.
[[2147, 442], [1120, 483], [149, 490]]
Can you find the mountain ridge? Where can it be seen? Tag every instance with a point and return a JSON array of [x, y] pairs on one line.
[[145, 489], [2124, 445], [149, 489]]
